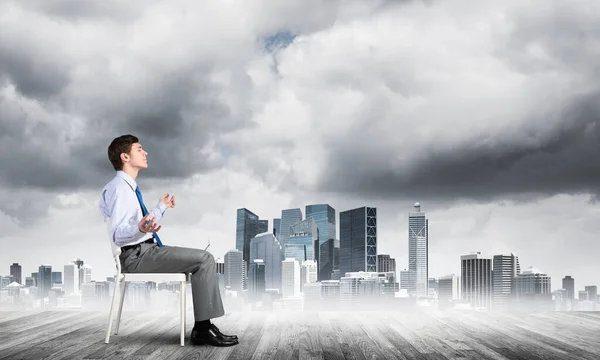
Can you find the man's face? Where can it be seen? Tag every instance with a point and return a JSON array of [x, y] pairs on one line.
[[137, 157]]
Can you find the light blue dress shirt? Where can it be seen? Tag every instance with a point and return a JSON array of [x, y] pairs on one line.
[[119, 202]]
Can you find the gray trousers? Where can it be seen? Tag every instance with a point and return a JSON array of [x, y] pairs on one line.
[[150, 258]]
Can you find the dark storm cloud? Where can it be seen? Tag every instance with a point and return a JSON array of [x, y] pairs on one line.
[[564, 161], [543, 158]]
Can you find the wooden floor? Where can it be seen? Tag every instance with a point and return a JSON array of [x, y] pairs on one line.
[[307, 335]]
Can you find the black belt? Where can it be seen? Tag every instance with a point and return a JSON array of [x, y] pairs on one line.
[[125, 248]]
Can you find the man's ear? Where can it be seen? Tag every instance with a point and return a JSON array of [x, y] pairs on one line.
[[124, 157]]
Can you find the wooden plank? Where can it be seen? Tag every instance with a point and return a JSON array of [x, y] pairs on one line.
[[31, 342], [308, 335]]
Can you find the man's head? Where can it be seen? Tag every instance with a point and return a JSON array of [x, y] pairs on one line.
[[126, 149]]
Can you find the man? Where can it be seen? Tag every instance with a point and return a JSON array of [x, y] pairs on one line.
[[134, 229]]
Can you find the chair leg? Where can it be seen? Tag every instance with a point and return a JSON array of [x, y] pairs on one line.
[[112, 305], [183, 312], [120, 306]]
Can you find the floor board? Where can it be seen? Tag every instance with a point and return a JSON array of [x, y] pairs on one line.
[[332, 335]]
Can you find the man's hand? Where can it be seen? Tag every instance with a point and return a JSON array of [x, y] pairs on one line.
[[148, 224], [169, 202]]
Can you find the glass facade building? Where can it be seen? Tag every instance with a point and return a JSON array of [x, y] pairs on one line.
[[329, 255], [358, 240], [289, 217], [266, 247], [248, 225], [324, 216], [305, 233]]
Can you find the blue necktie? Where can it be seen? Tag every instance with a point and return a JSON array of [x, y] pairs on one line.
[[145, 212]]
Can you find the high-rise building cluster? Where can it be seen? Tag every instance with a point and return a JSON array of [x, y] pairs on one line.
[[305, 262]]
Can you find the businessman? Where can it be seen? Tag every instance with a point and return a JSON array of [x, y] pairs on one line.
[[135, 230]]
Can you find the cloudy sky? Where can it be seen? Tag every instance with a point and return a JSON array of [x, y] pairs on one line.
[[483, 111]]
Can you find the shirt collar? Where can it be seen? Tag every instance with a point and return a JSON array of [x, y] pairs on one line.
[[123, 175]]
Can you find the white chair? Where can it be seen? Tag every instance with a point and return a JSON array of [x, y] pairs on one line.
[[121, 280]]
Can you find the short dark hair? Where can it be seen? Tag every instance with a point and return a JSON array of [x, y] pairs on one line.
[[119, 145]]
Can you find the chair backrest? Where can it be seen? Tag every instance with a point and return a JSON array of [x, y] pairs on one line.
[[116, 250]]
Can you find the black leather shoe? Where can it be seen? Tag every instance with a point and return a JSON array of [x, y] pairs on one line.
[[218, 332], [210, 338]]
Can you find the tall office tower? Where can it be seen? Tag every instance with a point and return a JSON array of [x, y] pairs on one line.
[[290, 278], [256, 278], [533, 284], [418, 251], [45, 280], [16, 272], [385, 263], [593, 291], [266, 247], [504, 280], [324, 216], [304, 233], [276, 227], [79, 263], [329, 254], [248, 225], [568, 283], [234, 270], [476, 276], [289, 217], [358, 240], [71, 279]]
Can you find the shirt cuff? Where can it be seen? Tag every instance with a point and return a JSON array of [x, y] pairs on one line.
[[161, 207]]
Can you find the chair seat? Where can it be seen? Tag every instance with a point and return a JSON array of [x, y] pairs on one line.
[[155, 277]]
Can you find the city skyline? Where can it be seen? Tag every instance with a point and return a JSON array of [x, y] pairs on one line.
[[485, 113], [556, 285]]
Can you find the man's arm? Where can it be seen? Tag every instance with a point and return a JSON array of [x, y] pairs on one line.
[[124, 228], [159, 211]]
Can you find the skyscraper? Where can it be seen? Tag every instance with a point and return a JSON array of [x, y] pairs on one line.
[[476, 277], [234, 270], [289, 217], [358, 240], [16, 272], [568, 283], [266, 247], [290, 278], [79, 264], [256, 278], [304, 233], [329, 256], [45, 280], [504, 279], [324, 216], [71, 279], [248, 225], [418, 251]]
